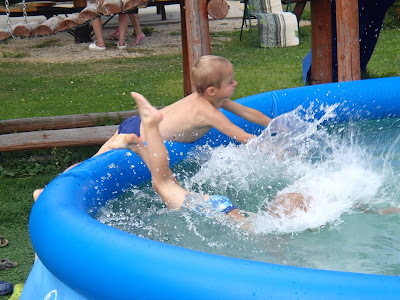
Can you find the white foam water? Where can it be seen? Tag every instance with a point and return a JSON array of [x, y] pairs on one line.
[[348, 172]]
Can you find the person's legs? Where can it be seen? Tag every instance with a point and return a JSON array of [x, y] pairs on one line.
[[139, 35], [98, 31], [123, 20]]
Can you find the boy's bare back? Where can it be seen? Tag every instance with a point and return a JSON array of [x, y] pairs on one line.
[[187, 119]]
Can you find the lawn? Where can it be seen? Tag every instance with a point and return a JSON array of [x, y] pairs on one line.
[[38, 90]]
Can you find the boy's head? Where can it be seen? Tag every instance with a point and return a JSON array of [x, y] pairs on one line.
[[209, 71]]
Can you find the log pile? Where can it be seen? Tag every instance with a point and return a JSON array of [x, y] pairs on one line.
[[218, 9]]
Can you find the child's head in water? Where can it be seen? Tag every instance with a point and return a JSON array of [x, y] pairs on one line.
[[216, 72]]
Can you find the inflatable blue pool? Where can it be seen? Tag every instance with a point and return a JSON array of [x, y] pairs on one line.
[[81, 258]]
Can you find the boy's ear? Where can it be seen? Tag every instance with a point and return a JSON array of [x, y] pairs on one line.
[[210, 91]]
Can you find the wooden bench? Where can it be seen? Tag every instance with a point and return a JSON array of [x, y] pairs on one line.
[[59, 131], [79, 13]]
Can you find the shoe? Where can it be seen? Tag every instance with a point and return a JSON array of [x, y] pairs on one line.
[[17, 291], [139, 40], [122, 47], [6, 287], [3, 241], [6, 264], [94, 47], [115, 34]]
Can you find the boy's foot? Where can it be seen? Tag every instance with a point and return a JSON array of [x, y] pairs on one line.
[[37, 193], [148, 113], [127, 141]]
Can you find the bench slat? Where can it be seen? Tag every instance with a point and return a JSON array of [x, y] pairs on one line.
[[47, 139]]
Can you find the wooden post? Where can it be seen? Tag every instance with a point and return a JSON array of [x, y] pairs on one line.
[[195, 37], [321, 42], [348, 41]]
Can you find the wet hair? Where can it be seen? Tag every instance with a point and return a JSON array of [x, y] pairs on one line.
[[209, 70]]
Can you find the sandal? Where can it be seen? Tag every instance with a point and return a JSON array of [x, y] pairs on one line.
[[121, 47], [6, 264], [17, 291], [6, 287], [3, 241], [139, 40], [94, 47]]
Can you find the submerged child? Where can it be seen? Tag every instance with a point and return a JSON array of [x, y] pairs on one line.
[[156, 157], [193, 116]]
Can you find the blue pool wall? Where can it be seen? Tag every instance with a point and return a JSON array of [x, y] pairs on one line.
[[81, 258]]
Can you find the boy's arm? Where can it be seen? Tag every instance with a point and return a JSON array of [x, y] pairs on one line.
[[224, 125], [247, 113]]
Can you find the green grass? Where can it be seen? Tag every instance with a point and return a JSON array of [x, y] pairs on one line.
[[37, 90]]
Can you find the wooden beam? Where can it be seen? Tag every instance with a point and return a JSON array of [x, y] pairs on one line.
[[65, 122], [56, 138], [195, 37], [321, 42], [348, 41]]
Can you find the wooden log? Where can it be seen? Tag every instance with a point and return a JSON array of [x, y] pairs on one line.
[[68, 23], [4, 34], [348, 41], [79, 3], [218, 9], [88, 13], [64, 122], [56, 138], [110, 7], [24, 30], [132, 4], [47, 27]]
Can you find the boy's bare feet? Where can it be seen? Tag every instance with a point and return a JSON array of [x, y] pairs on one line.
[[148, 113], [128, 141], [37, 193]]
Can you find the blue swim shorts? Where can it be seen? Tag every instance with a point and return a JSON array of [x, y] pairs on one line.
[[130, 125], [210, 207]]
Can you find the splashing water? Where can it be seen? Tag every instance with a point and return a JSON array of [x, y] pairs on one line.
[[349, 172]]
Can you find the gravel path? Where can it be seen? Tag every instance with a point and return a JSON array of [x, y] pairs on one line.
[[61, 47]]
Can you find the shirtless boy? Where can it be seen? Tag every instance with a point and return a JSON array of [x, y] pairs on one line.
[[193, 116], [174, 196]]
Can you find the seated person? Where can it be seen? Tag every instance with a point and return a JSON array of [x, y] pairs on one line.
[[139, 35], [99, 44]]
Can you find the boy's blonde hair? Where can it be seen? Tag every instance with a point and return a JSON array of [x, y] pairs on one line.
[[208, 70]]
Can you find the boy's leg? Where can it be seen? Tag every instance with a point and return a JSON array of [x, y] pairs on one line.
[[156, 155], [286, 204]]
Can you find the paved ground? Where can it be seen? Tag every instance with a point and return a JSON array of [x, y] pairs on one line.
[[148, 16]]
